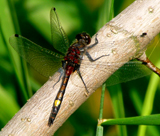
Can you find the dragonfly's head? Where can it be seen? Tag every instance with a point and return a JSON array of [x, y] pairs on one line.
[[84, 38]]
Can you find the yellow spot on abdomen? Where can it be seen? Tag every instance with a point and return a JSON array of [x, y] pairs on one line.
[[57, 102]]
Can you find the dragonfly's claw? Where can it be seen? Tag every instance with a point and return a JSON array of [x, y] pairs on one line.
[[86, 94]]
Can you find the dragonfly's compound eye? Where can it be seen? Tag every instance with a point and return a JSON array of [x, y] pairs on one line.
[[83, 37], [78, 37], [87, 39]]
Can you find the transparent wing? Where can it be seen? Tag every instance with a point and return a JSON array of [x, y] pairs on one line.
[[43, 60], [59, 38], [129, 71]]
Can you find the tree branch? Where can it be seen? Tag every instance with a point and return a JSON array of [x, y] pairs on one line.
[[139, 17]]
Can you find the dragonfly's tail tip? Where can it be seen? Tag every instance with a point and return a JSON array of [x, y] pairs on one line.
[[50, 121]]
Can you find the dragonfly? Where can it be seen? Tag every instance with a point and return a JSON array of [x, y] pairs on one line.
[[67, 56], [70, 57]]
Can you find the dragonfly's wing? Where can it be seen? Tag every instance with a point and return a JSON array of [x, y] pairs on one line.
[[129, 71], [59, 38], [43, 60]]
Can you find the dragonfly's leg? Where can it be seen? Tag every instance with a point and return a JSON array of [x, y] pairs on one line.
[[91, 59], [79, 73], [89, 56], [63, 64], [61, 71]]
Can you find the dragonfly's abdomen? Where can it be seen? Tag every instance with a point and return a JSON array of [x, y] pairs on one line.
[[59, 97], [72, 61]]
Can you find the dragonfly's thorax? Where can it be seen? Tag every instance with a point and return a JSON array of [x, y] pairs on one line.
[[72, 54], [72, 59]]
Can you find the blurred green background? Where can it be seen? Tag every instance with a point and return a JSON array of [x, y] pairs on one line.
[[31, 19]]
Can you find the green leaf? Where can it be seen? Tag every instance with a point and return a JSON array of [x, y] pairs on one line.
[[139, 120]]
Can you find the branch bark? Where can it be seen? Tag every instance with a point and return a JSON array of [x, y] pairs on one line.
[[140, 16]]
